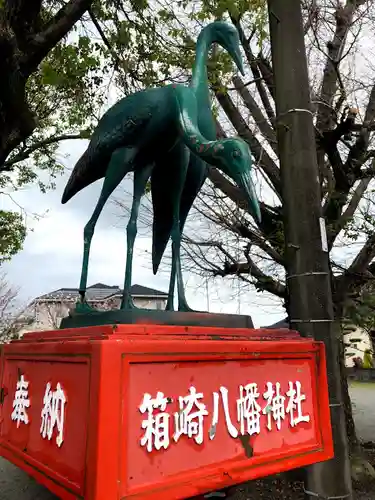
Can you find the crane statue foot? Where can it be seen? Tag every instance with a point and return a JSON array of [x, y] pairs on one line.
[[82, 306], [187, 309], [184, 307], [127, 302], [169, 306]]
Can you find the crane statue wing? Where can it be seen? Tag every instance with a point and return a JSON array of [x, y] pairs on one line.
[[119, 127], [83, 175]]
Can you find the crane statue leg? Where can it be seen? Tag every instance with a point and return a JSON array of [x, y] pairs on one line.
[[141, 176], [178, 156], [119, 165], [177, 274], [195, 177], [182, 302], [162, 196]]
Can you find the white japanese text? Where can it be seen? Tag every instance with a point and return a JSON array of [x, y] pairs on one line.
[[273, 404]]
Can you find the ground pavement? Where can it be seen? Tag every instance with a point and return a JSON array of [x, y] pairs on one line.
[[363, 402], [16, 485]]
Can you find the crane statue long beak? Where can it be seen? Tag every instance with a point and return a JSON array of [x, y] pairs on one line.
[[245, 182], [237, 57]]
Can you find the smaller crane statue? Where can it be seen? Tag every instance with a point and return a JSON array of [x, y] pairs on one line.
[[157, 132]]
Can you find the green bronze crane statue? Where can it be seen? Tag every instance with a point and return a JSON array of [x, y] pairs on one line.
[[138, 133], [197, 171]]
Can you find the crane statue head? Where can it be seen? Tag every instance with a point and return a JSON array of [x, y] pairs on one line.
[[231, 155], [233, 158], [226, 35]]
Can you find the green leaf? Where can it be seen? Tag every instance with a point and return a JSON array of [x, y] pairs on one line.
[[12, 234]]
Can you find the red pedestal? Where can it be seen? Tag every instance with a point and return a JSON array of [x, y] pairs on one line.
[[161, 412]]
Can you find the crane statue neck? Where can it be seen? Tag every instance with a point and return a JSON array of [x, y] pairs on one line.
[[188, 119], [199, 73]]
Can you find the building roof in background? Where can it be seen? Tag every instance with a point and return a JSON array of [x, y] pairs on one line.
[[100, 291], [139, 290]]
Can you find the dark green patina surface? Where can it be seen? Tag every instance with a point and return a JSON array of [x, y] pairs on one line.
[[168, 134], [144, 316]]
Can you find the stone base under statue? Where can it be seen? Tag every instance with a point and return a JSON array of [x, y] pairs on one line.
[[159, 412], [156, 317]]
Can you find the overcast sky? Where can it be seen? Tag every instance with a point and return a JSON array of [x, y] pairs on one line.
[[52, 253]]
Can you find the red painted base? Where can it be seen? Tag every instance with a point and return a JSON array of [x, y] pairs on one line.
[[161, 412]]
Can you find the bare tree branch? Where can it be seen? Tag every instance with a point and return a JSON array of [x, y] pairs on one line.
[[347, 174], [231, 267], [358, 272], [262, 280], [344, 18], [245, 232], [347, 215], [264, 127], [264, 160], [266, 71], [313, 14], [41, 44], [25, 153], [255, 70], [234, 193], [10, 311], [271, 224]]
